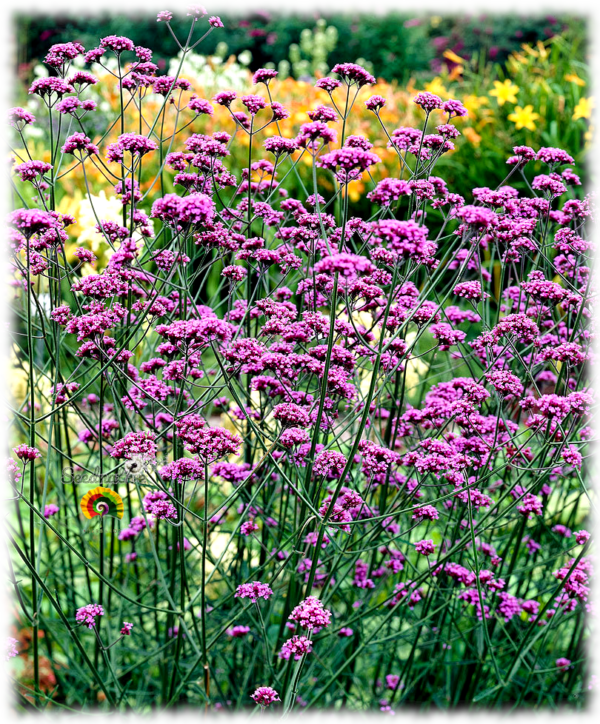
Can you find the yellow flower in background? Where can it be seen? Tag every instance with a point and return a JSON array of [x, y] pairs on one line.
[[516, 62], [574, 78], [300, 117], [505, 92], [529, 50], [452, 56], [356, 190], [455, 73], [36, 149], [524, 118], [542, 50], [584, 108], [473, 103], [69, 204], [437, 87]]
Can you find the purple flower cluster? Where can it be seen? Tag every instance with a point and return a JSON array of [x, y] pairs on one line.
[[310, 614], [297, 646], [196, 210], [80, 142], [131, 143], [254, 591], [265, 696], [353, 74], [88, 614]]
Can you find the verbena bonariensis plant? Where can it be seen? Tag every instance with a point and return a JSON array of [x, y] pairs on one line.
[[353, 475]]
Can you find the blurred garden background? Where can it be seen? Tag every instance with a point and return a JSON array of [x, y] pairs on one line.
[[524, 80]]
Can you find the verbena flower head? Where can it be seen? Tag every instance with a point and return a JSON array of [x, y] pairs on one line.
[[375, 103], [88, 614], [470, 290], [196, 209], [425, 547], [254, 103], [323, 113], [213, 443], [254, 591], [249, 527], [264, 75], [196, 11], [265, 696], [50, 510], [117, 43], [310, 133], [158, 505], [79, 142], [51, 88], [353, 74], [291, 415], [62, 53], [225, 98], [310, 614], [523, 154], [428, 101], [553, 156], [165, 84], [182, 470], [132, 143], [30, 170], [348, 163], [238, 631], [297, 646], [19, 117], [200, 106], [279, 146], [454, 108], [135, 443], [11, 649], [328, 84], [329, 463], [27, 453]]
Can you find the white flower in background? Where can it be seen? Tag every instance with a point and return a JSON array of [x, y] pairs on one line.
[[212, 73]]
